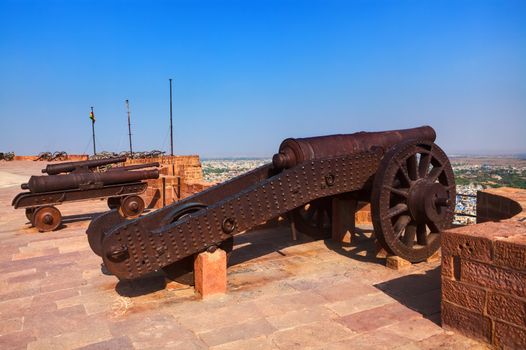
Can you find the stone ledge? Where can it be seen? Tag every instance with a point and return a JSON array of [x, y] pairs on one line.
[[484, 271]]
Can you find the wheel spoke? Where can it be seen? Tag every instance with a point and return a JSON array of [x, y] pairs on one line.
[[435, 173], [421, 234], [396, 210], [425, 161], [404, 192], [412, 167], [405, 174], [401, 224], [409, 236]]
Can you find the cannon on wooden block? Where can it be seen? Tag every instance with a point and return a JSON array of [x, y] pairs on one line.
[[77, 181], [405, 176]]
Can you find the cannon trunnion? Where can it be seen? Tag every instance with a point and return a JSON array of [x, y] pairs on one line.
[[77, 181], [405, 176]]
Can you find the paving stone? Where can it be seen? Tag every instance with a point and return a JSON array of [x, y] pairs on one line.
[[360, 303], [291, 302], [56, 322], [228, 334], [11, 325], [310, 336], [120, 343], [16, 340], [229, 315], [376, 340], [258, 343], [292, 319], [378, 317], [415, 329], [451, 341], [96, 332], [345, 290]]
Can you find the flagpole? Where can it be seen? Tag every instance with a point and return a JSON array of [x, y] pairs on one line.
[[93, 132], [129, 128], [171, 124]]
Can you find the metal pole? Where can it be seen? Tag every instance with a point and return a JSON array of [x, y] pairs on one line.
[[93, 133], [129, 127], [171, 124]]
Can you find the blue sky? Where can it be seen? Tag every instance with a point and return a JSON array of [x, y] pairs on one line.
[[248, 74]]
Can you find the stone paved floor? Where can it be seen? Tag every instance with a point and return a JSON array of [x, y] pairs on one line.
[[282, 294]]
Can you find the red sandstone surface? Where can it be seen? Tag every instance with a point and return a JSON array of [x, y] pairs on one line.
[[282, 294], [484, 272]]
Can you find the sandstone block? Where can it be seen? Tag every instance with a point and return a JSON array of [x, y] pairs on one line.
[[507, 281], [509, 337], [464, 295], [507, 308], [465, 243], [447, 266], [511, 252], [467, 322], [210, 273]]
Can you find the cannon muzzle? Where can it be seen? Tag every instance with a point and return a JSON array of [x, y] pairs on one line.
[[54, 169], [86, 180], [295, 151]]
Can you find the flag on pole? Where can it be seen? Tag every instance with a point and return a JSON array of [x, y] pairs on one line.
[[92, 116]]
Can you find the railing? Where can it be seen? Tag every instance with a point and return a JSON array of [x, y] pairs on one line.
[[465, 214]]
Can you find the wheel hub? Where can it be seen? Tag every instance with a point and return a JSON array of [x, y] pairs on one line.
[[428, 201]]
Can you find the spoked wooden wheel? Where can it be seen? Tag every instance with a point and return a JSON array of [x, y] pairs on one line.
[[413, 199], [131, 206], [314, 218], [182, 271], [47, 218]]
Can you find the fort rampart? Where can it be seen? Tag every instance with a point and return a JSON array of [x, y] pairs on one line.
[[484, 271]]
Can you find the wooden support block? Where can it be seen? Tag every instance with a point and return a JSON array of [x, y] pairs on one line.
[[434, 257], [396, 263], [210, 273], [343, 219]]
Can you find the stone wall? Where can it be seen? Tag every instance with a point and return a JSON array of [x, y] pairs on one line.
[[186, 167], [180, 177], [484, 272]]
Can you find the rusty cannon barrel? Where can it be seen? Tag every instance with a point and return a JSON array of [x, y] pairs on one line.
[[136, 166], [54, 169], [294, 151], [86, 180]]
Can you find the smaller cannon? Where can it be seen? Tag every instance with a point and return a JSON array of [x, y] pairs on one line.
[[82, 166], [77, 181]]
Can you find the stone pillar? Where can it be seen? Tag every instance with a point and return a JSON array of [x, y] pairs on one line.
[[210, 273], [343, 219]]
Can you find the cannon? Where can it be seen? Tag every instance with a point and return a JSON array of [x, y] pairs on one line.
[[405, 176], [77, 181]]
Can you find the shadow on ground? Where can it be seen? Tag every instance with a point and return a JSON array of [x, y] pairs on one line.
[[259, 243], [419, 292], [362, 247]]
